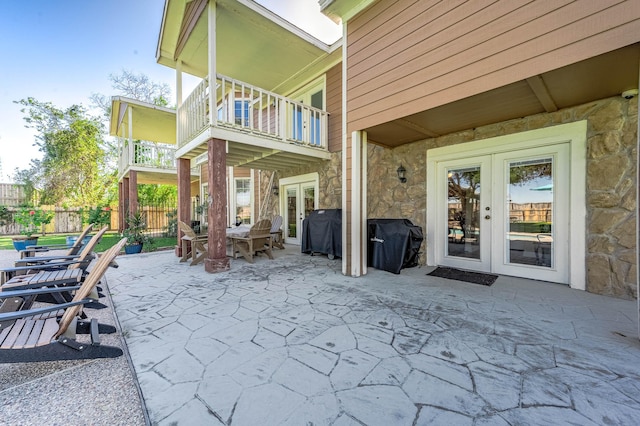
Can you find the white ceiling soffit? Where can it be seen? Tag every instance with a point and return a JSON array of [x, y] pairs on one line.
[[149, 122], [253, 45]]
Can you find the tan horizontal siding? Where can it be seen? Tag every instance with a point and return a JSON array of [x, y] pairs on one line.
[[241, 172], [334, 107], [204, 173], [412, 62], [425, 39]]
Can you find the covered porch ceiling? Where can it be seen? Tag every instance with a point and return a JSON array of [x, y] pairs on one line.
[[263, 157], [596, 78], [253, 44], [157, 177], [148, 122]]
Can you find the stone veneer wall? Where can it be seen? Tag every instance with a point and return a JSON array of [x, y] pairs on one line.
[[611, 184], [329, 175]]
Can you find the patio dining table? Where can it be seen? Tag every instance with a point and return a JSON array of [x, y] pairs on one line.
[[236, 231], [233, 231]]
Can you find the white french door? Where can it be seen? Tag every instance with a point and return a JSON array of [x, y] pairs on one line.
[[505, 212], [299, 197]]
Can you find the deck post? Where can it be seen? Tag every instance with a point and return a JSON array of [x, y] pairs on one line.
[[125, 201], [120, 208], [184, 198], [217, 260], [133, 192]]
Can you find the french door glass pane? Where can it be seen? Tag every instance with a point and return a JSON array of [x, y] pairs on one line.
[[309, 200], [243, 201], [463, 238], [292, 202], [530, 205]]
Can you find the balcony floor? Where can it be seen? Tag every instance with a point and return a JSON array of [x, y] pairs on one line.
[[254, 151]]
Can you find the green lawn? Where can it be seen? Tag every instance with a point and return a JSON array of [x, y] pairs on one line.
[[108, 240]]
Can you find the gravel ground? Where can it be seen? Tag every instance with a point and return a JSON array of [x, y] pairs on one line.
[[96, 392]]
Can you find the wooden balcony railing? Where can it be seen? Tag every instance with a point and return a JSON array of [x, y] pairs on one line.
[[146, 154], [249, 109]]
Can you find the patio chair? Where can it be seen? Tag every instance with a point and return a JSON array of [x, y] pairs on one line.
[[258, 240], [30, 335], [276, 232], [30, 265], [194, 246], [74, 249]]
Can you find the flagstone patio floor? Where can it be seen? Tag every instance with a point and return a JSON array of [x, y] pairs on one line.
[[292, 341]]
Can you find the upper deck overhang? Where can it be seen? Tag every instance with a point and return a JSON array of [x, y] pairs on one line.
[[147, 122], [245, 150], [253, 44]]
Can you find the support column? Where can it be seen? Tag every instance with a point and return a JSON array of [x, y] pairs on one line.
[[184, 198], [217, 260], [120, 208], [133, 192], [354, 207], [125, 201]]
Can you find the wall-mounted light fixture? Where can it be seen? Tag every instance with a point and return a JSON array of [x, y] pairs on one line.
[[402, 173], [275, 190]]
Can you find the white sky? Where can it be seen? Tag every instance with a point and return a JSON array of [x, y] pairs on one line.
[[63, 51]]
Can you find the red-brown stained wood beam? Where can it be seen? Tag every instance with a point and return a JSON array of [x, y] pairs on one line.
[[217, 260], [184, 198], [133, 192], [125, 201]]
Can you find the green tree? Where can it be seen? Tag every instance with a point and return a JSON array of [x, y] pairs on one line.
[[71, 169], [155, 194]]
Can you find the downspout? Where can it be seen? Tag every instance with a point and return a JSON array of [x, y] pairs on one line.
[[344, 146]]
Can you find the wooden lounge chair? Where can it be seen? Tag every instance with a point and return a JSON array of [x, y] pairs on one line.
[[258, 240], [276, 232], [29, 265], [72, 250], [30, 335], [194, 246]]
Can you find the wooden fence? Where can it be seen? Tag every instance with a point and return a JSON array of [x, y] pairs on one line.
[[11, 194], [69, 220]]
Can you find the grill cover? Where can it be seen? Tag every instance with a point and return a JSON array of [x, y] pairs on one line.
[[393, 244], [322, 232]]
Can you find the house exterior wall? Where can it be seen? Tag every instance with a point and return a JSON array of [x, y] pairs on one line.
[[405, 56], [611, 184], [334, 107], [330, 181]]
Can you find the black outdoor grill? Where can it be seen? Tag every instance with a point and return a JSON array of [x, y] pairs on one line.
[[394, 244], [322, 232]]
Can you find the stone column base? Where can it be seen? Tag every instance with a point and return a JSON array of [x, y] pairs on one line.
[[217, 265]]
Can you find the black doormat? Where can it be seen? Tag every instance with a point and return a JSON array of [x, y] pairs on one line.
[[460, 275]]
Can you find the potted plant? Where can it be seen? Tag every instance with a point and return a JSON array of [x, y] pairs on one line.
[[134, 232], [31, 220]]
